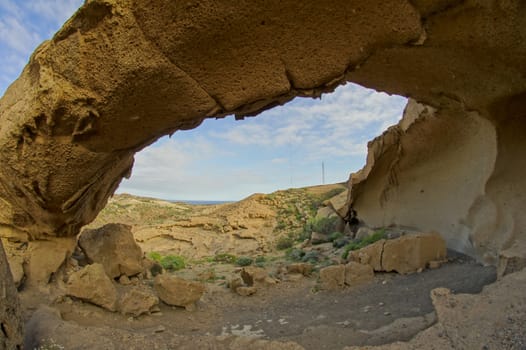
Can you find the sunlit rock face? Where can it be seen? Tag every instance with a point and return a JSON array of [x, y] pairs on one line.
[[122, 73]]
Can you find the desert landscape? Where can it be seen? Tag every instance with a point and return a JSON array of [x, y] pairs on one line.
[[281, 270], [422, 248]]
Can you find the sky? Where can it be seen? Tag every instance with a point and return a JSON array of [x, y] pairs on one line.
[[226, 159]]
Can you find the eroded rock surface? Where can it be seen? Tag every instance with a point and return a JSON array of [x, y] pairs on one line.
[[73, 120], [91, 284], [10, 314], [177, 291]]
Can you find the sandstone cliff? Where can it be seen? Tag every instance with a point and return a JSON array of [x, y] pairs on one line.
[[122, 73]]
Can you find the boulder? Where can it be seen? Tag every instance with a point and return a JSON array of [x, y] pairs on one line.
[[356, 274], [177, 291], [246, 291], [304, 269], [412, 252], [114, 247], [339, 276], [136, 301], [91, 284], [332, 277], [370, 255], [253, 275], [364, 232], [318, 238], [325, 212], [339, 203], [46, 257], [511, 260]]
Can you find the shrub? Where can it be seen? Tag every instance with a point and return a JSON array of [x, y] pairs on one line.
[[335, 235], [172, 262], [225, 258], [359, 244], [284, 242], [322, 225], [244, 261], [260, 261], [295, 254], [311, 257]]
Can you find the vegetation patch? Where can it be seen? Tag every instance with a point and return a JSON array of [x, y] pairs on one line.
[[168, 262], [359, 244], [284, 242], [244, 261], [225, 258]]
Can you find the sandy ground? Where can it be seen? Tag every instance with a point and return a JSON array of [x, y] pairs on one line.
[[392, 307]]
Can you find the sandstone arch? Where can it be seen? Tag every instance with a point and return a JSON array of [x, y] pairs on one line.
[[122, 73]]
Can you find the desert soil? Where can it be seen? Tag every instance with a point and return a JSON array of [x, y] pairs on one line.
[[392, 307]]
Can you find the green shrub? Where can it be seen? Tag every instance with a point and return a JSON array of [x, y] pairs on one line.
[[284, 242], [244, 261], [324, 226], [172, 262], [260, 261], [311, 257], [168, 262], [335, 235], [154, 256], [359, 244], [225, 258], [295, 254]]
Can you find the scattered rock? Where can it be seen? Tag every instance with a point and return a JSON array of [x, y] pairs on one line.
[[91, 284], [318, 238], [304, 269], [114, 247], [253, 275], [325, 212], [246, 291], [178, 292], [234, 283], [356, 273], [435, 264], [340, 204], [124, 280], [136, 301], [409, 253]]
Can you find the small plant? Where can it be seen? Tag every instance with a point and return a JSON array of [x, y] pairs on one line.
[[311, 257], [168, 262], [284, 242], [335, 235], [225, 258], [321, 225], [260, 261], [244, 261], [295, 254], [359, 244]]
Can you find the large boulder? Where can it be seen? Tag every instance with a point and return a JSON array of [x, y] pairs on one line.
[[177, 291], [412, 252], [340, 276], [369, 255], [91, 284], [114, 247]]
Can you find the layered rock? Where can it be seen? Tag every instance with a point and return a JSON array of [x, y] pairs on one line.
[[351, 274]]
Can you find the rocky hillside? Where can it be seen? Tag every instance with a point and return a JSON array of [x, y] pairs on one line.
[[251, 226]]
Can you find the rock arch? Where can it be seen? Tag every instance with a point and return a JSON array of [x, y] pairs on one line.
[[122, 73]]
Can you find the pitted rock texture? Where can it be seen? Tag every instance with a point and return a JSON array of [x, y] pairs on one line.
[[122, 73]]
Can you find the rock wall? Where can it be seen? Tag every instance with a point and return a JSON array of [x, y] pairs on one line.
[[122, 73], [11, 323]]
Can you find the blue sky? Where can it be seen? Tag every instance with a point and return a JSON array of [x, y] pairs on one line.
[[227, 159]]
